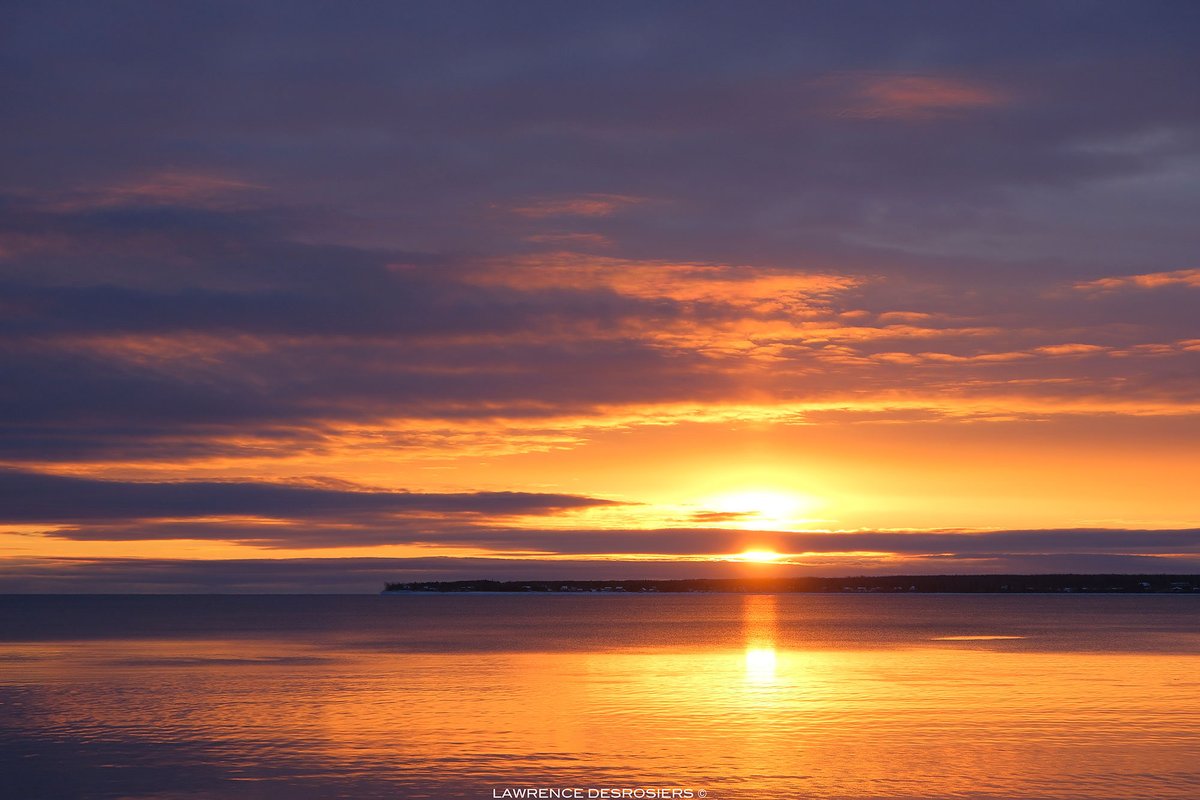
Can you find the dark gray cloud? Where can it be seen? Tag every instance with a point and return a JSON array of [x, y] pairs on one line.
[[410, 121], [988, 544], [330, 514], [324, 185], [34, 497], [322, 517]]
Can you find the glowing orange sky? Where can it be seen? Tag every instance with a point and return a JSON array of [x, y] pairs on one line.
[[605, 311]]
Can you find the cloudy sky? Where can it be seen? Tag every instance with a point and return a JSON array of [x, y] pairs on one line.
[[309, 296]]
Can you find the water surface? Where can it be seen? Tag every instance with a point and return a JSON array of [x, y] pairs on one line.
[[821, 696]]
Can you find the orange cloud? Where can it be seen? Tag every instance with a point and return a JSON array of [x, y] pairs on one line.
[[985, 357], [1145, 280], [759, 308], [175, 187], [1071, 349], [587, 205], [1152, 349], [169, 187], [15, 244], [571, 239], [188, 350], [753, 287], [904, 316], [913, 97]]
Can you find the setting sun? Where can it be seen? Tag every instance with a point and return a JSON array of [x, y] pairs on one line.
[[759, 509], [761, 556]]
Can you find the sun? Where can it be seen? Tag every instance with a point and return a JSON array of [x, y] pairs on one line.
[[759, 556], [760, 509]]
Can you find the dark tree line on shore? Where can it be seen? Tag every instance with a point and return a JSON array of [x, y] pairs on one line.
[[1000, 584]]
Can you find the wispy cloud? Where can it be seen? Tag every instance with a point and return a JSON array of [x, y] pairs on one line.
[[586, 205], [912, 97], [167, 188], [1189, 278]]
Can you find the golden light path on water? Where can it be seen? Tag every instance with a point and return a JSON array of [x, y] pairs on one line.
[[759, 620]]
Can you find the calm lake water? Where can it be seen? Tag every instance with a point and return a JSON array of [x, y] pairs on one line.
[[467, 696]]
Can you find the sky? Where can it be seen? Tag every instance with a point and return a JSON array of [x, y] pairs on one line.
[[312, 296]]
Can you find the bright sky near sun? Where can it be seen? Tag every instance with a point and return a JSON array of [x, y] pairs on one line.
[[698, 291]]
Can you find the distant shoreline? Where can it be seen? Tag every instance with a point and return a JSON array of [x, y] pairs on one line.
[[891, 584]]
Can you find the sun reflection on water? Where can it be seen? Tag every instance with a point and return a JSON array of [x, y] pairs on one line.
[[760, 618], [760, 664]]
